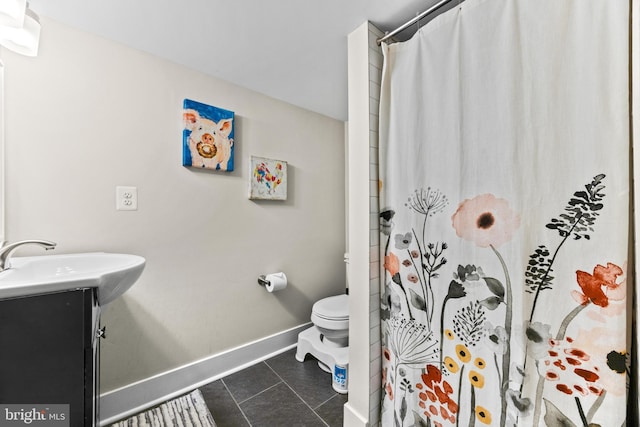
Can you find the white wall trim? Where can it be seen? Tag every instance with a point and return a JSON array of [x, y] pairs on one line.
[[133, 398], [358, 268], [352, 418]]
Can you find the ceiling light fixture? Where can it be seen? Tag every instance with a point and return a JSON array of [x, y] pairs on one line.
[[24, 36]]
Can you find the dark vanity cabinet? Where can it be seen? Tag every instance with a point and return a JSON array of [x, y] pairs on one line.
[[49, 354]]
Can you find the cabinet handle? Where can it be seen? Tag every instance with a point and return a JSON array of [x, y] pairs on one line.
[[102, 332]]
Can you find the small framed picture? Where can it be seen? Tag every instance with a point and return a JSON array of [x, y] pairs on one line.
[[268, 179], [207, 137]]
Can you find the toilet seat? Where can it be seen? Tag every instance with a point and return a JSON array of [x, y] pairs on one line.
[[331, 312]]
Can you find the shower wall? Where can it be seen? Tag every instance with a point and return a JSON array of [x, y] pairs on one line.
[[365, 70]]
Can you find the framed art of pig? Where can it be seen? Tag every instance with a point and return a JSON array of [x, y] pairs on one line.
[[207, 137]]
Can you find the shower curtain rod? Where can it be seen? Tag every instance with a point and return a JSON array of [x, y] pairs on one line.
[[411, 22]]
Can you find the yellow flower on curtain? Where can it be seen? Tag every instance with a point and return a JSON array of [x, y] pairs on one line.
[[476, 379], [451, 365], [463, 353], [483, 415], [480, 363]]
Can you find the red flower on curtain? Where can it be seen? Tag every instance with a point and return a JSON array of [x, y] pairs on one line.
[[596, 286], [571, 369], [435, 396]]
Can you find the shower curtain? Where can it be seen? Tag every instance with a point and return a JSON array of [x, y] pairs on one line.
[[504, 208]]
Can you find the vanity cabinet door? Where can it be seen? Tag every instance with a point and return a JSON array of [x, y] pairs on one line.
[[48, 352]]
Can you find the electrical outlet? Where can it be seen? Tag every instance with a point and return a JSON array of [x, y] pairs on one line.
[[126, 198]]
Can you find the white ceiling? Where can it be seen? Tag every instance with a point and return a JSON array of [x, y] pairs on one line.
[[292, 50]]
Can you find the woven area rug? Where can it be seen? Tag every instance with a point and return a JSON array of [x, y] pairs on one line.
[[189, 410]]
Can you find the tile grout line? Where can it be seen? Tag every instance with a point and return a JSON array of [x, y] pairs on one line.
[[297, 395], [262, 392], [235, 401], [329, 399]]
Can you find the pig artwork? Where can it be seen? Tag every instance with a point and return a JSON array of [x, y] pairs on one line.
[[207, 138]]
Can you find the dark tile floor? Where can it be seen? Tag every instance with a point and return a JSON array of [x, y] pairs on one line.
[[277, 392]]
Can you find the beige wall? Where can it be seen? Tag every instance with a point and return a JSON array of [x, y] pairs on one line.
[[87, 115]]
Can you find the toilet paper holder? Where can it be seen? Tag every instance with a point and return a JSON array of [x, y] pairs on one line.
[[262, 280], [273, 282]]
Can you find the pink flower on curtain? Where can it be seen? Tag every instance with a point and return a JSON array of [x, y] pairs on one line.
[[392, 264], [600, 342], [485, 220]]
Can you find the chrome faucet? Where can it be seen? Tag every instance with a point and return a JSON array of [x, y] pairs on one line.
[[7, 249]]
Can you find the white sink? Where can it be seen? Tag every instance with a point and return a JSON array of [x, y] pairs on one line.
[[111, 273]]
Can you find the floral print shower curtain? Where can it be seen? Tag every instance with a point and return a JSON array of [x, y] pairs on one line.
[[504, 194]]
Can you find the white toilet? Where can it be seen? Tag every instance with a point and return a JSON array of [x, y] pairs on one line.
[[328, 339]]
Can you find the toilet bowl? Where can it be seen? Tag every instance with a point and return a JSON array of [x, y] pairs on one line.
[[328, 339]]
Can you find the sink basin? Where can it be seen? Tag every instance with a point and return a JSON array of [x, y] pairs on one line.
[[111, 273]]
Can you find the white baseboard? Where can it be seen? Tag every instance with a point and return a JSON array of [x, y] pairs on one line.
[[121, 403], [352, 418]]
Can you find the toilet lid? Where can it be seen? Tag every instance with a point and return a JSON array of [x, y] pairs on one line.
[[332, 308]]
